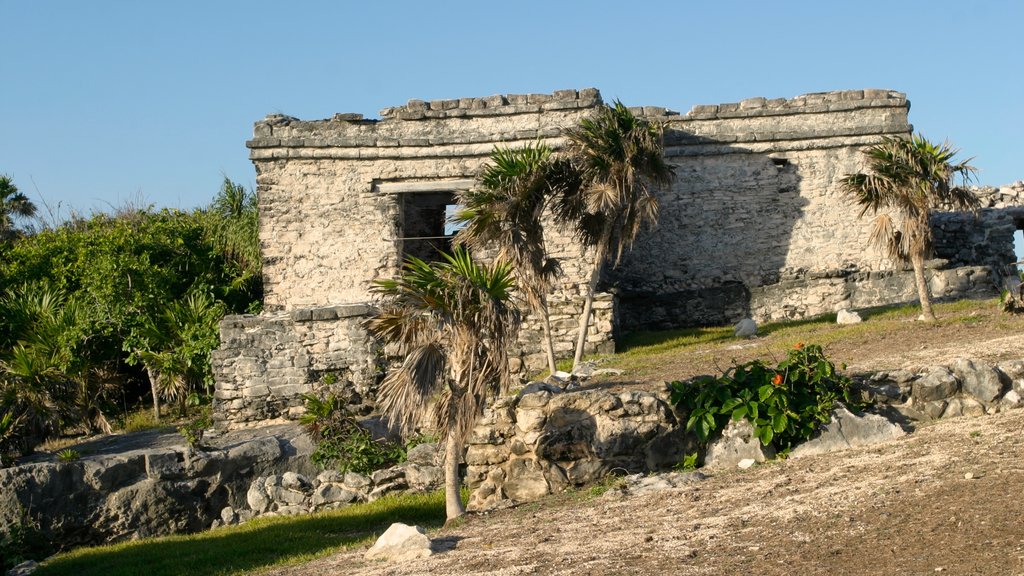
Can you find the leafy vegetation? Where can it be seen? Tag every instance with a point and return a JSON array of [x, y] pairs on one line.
[[785, 404], [505, 213], [341, 443], [86, 304]]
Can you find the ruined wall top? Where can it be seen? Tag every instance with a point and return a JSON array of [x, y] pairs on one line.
[[410, 125]]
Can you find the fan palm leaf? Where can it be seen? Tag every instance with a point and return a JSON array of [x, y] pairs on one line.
[[907, 179]]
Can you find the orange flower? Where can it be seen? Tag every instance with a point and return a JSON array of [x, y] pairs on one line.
[[777, 381], [799, 345]]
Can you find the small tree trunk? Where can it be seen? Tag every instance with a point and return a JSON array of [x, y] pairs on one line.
[[156, 397], [922, 288], [546, 326], [588, 302], [452, 495]]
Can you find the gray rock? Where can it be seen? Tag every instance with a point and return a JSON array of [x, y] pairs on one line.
[[1011, 400], [535, 387], [423, 454], [356, 482], [228, 516], [24, 569], [382, 490], [424, 478], [745, 328], [330, 476], [257, 497], [736, 443], [165, 465], [638, 484], [847, 430], [937, 384], [980, 380], [400, 542], [847, 317], [297, 482], [332, 494], [387, 475]]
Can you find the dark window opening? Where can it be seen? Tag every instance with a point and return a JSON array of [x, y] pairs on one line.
[[780, 162], [426, 231]]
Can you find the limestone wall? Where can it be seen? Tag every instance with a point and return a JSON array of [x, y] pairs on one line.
[[266, 363]]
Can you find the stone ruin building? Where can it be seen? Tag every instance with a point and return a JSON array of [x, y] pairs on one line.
[[754, 225]]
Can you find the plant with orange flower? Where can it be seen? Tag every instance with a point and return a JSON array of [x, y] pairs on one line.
[[785, 404]]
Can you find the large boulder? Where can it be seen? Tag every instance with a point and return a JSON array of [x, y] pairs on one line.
[[981, 380], [847, 430]]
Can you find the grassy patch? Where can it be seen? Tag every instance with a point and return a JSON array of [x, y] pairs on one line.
[[257, 545]]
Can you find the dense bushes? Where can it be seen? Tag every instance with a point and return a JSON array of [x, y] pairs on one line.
[[98, 311], [785, 404]]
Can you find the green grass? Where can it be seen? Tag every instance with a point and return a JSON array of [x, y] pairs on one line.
[[258, 545]]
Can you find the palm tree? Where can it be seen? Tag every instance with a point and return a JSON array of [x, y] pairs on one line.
[[620, 159], [907, 179], [12, 204], [453, 323], [505, 213], [174, 347]]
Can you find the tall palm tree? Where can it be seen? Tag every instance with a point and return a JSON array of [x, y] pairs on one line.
[[907, 179], [505, 213], [453, 323], [13, 204], [620, 159]]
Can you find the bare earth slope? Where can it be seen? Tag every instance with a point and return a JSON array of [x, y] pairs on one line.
[[945, 499]]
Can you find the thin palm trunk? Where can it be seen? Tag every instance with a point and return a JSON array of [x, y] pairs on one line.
[[917, 259], [548, 344], [156, 397], [453, 507], [588, 302]]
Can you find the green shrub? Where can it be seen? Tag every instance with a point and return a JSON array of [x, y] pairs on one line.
[[68, 455], [193, 430], [785, 404], [341, 442]]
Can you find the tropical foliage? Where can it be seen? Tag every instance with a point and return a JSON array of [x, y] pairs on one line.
[[13, 204], [785, 404], [452, 323], [619, 161], [505, 213], [907, 179], [83, 302]]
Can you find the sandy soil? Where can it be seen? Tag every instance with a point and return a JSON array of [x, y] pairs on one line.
[[944, 499]]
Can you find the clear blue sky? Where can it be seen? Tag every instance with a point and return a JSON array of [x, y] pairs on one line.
[[104, 102]]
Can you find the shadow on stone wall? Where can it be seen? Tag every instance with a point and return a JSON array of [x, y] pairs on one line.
[[725, 226]]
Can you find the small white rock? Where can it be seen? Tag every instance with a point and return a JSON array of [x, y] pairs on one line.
[[969, 476], [400, 542], [746, 463], [845, 316]]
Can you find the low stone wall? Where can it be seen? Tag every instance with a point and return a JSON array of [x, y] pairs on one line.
[[962, 388], [292, 493], [266, 363], [543, 441]]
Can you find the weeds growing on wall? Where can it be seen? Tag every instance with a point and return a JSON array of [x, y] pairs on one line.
[[343, 444], [785, 404]]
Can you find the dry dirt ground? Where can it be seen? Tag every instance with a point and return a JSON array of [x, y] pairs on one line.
[[945, 499]]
